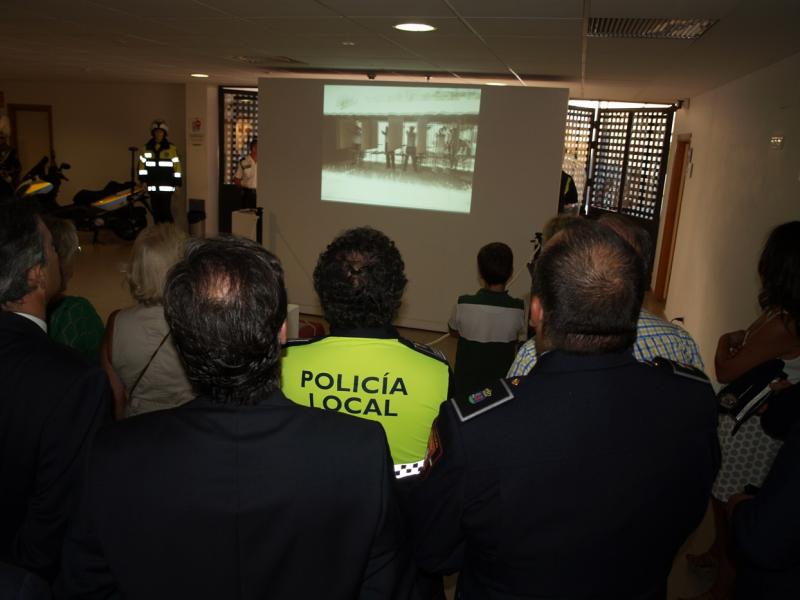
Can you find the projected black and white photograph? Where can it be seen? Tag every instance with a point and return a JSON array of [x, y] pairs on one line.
[[409, 147]]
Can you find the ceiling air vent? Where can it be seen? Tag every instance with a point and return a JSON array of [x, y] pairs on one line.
[[655, 29]]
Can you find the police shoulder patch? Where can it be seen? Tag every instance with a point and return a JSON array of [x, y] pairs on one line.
[[679, 369], [426, 350], [482, 401], [434, 451]]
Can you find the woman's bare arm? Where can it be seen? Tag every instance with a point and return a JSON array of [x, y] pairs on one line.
[[775, 338], [118, 389]]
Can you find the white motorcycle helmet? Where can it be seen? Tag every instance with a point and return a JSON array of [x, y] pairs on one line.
[[159, 124]]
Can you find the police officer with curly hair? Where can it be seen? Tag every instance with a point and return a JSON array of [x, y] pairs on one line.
[[364, 368]]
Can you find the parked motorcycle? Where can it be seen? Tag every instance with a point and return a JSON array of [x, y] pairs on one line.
[[118, 207], [42, 182]]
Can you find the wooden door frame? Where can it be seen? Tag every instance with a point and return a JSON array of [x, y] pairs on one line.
[[12, 117], [669, 233]]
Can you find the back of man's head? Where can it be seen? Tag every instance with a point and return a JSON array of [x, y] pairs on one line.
[[21, 248], [225, 303], [590, 283], [360, 279], [556, 224], [633, 233]]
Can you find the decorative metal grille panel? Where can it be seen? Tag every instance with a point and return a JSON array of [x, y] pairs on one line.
[[239, 127], [630, 161], [647, 157], [609, 161], [577, 138]]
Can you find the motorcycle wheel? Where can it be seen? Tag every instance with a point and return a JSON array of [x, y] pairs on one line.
[[126, 233], [128, 228]]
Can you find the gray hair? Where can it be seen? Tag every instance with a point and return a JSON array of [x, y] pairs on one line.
[[21, 249], [155, 252], [65, 238]]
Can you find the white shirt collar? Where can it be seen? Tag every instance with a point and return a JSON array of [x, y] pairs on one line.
[[35, 319]]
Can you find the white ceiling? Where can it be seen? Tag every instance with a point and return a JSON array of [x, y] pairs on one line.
[[476, 40]]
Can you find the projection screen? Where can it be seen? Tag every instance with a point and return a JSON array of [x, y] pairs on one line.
[[482, 164]]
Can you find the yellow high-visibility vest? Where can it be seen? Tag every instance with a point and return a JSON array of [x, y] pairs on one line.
[[389, 380], [160, 168]]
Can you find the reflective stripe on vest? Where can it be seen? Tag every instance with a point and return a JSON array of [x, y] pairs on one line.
[[408, 469]]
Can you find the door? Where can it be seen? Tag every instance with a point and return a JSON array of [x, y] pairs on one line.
[[238, 127], [674, 200], [577, 147], [31, 133]]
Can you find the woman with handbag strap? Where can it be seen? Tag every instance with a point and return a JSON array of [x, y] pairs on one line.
[[137, 353], [748, 456]]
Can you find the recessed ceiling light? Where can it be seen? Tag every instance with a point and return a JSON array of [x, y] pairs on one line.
[[348, 43], [495, 83], [414, 27], [200, 75]]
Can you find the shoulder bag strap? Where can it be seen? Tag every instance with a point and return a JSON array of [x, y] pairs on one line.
[[152, 356]]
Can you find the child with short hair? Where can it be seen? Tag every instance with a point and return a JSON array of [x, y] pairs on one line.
[[487, 323]]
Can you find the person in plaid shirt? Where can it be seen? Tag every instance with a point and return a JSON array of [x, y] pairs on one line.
[[654, 336]]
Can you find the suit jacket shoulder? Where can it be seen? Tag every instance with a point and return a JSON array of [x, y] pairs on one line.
[[272, 484], [51, 404]]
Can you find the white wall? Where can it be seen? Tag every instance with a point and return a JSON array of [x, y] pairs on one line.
[[515, 190], [739, 190], [202, 151], [94, 123]]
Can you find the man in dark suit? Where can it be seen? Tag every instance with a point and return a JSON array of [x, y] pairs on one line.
[[766, 529], [240, 493], [583, 478], [51, 401], [19, 584]]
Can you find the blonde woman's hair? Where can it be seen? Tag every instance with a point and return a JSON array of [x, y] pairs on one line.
[[155, 251], [65, 238]]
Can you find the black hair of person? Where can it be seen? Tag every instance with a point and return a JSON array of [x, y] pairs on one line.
[[591, 284], [225, 303], [360, 279], [779, 270], [495, 263]]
